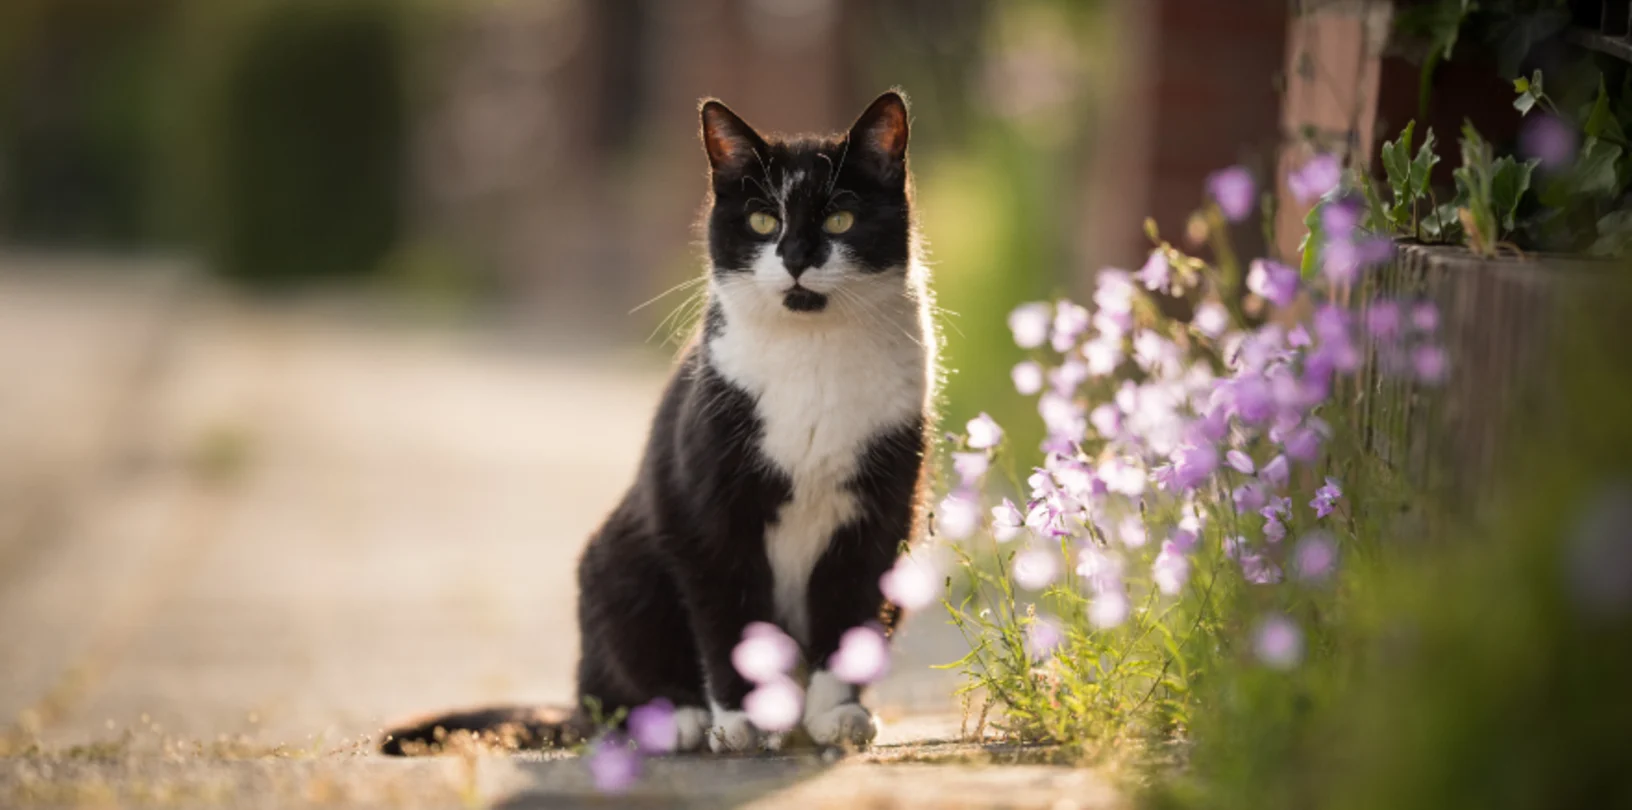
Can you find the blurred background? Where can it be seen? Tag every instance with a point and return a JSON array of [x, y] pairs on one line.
[[329, 329]]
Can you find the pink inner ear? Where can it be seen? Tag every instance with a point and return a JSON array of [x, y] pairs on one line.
[[889, 132]]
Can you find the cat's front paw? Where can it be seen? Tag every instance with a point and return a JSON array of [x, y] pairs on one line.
[[691, 726], [732, 732], [844, 724]]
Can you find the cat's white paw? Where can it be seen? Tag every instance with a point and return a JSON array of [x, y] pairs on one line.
[[732, 732], [691, 727], [844, 724]]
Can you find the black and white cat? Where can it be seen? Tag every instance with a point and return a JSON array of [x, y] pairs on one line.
[[784, 469]]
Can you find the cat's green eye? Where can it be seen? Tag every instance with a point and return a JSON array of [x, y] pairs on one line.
[[839, 222], [762, 223]]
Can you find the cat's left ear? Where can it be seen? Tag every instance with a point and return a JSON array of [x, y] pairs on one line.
[[879, 136]]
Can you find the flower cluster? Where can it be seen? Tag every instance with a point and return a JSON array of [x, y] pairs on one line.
[[1163, 432]]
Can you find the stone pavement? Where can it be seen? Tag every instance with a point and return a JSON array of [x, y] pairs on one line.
[[237, 540]]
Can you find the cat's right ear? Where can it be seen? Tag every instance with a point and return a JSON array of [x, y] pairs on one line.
[[731, 144]]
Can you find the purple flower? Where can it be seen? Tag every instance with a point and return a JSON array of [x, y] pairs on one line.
[[1383, 319], [1028, 378], [1156, 273], [1259, 570], [613, 764], [1184, 540], [1240, 462], [1275, 473], [1070, 321], [1043, 637], [1101, 569], [1429, 364], [1063, 416], [970, 467], [765, 653], [1549, 140], [1278, 643], [1069, 376], [1315, 178], [959, 514], [1340, 261], [1102, 355], [776, 705], [1193, 465], [912, 583], [1254, 400], [1131, 531], [1374, 250], [1302, 444], [1315, 557], [1249, 497], [1273, 281], [862, 658], [1106, 419], [984, 432], [1035, 568], [1425, 317], [1108, 609], [1233, 546], [1006, 521], [1029, 323], [1211, 319], [1171, 569], [653, 728], [1298, 337], [1274, 529], [1339, 218], [1233, 189], [1326, 498], [1113, 292]]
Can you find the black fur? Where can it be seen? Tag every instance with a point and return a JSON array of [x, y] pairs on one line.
[[679, 568]]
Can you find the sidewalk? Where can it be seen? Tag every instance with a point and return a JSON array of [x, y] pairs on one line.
[[250, 528]]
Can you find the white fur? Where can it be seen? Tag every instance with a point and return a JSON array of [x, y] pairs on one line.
[[690, 724], [832, 715], [732, 732], [825, 384]]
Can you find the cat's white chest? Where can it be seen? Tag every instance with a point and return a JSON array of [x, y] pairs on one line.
[[822, 395]]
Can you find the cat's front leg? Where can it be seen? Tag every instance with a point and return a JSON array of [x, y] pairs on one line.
[[844, 594], [722, 596]]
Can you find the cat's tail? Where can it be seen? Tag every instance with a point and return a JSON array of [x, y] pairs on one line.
[[511, 728]]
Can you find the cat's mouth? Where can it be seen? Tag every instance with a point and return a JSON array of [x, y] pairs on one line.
[[801, 299]]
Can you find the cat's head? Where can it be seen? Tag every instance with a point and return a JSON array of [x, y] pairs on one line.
[[802, 226]]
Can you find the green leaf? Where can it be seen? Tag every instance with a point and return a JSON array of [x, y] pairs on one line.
[[1397, 160], [1594, 170], [1376, 221], [1313, 240], [1423, 166], [1442, 224], [1509, 181], [1601, 121], [1614, 235]]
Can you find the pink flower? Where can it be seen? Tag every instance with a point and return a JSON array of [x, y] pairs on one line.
[[1043, 637], [1233, 189], [765, 653], [1108, 609], [613, 764], [913, 583], [1315, 557], [984, 432], [959, 515], [1211, 319], [1155, 274], [1317, 177], [1278, 643], [970, 467], [1035, 568], [1029, 323], [1028, 378], [862, 658], [653, 728], [775, 705], [1006, 521], [1171, 569]]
